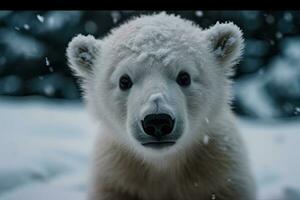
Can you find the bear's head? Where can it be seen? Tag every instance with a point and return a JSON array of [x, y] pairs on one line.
[[157, 82]]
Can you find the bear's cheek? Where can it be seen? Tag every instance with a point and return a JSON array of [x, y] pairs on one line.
[[112, 101], [119, 103], [196, 101]]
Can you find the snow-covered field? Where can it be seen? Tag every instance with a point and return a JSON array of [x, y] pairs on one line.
[[45, 145]]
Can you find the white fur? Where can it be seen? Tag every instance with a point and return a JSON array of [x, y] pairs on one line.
[[82, 51], [227, 43], [152, 50]]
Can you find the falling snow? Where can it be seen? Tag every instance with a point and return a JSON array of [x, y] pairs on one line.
[[40, 18], [256, 139], [116, 16], [26, 27], [207, 120], [278, 35], [47, 61], [48, 64], [49, 90], [213, 196], [270, 19], [205, 139], [288, 16], [199, 13]]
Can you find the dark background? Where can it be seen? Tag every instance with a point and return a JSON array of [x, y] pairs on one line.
[[33, 61]]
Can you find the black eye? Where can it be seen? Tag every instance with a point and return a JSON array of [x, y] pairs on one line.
[[125, 82], [183, 79]]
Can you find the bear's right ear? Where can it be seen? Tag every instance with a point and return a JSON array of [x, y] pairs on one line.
[[82, 52], [226, 42]]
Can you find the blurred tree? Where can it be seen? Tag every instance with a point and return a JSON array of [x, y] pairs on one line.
[[33, 43]]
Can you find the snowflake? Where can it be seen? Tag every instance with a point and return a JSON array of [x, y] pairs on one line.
[[213, 196], [270, 19], [115, 16], [205, 139], [47, 61], [278, 35], [297, 110], [199, 13], [40, 18], [207, 120], [26, 26], [49, 90], [288, 16]]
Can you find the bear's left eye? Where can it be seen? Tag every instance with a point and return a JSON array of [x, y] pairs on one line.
[[125, 82], [183, 79]]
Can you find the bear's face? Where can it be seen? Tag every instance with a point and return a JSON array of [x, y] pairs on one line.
[[157, 81]]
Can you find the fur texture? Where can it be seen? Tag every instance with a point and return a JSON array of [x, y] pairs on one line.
[[209, 160]]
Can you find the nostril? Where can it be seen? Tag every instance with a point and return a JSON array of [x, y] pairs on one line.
[[158, 125], [166, 129], [150, 130]]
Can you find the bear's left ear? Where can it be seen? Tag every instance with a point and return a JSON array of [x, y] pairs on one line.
[[82, 52], [226, 42]]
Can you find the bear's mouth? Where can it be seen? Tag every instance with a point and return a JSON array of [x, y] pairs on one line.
[[158, 144]]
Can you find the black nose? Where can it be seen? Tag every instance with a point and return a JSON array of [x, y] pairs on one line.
[[158, 125]]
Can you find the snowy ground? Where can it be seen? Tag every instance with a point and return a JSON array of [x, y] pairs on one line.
[[44, 148]]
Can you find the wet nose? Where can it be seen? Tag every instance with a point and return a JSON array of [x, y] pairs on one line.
[[158, 125]]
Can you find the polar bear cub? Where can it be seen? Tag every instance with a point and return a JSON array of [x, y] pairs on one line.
[[159, 87]]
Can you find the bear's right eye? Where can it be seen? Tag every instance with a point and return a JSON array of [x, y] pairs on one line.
[[125, 82], [183, 79]]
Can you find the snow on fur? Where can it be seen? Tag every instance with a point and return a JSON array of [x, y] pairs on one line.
[[161, 36]]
